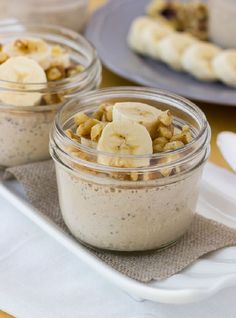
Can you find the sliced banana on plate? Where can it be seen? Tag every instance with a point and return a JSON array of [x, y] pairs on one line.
[[34, 48], [136, 28], [198, 58], [224, 66], [124, 138], [140, 113], [172, 47], [151, 36], [144, 35], [24, 71]]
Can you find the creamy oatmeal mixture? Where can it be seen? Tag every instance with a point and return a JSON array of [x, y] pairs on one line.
[[127, 211], [126, 218], [24, 128]]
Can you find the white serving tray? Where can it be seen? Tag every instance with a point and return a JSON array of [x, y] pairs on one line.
[[204, 278]]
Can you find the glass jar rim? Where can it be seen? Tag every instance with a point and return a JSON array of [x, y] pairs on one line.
[[203, 136], [49, 86]]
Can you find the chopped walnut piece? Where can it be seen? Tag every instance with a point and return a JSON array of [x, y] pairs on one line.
[[173, 145], [185, 136], [51, 99], [84, 129], [106, 109], [57, 50], [22, 45], [159, 143], [55, 73], [96, 131], [166, 118], [98, 115], [3, 57], [71, 135], [164, 131], [74, 70], [80, 118]]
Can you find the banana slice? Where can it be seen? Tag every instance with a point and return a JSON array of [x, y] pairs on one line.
[[134, 39], [172, 47], [21, 70], [125, 137], [140, 113], [34, 48], [144, 35], [198, 58], [224, 66]]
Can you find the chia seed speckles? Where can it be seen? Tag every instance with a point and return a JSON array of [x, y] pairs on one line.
[[124, 212], [24, 136]]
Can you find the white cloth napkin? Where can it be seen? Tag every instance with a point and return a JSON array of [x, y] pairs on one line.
[[41, 279], [226, 141]]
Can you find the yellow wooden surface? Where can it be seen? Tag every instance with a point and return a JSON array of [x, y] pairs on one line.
[[220, 118]]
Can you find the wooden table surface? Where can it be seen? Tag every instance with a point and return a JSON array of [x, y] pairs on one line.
[[220, 117]]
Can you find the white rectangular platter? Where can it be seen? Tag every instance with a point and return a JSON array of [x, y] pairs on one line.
[[202, 279]]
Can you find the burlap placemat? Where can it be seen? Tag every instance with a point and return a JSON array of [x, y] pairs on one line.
[[204, 236]]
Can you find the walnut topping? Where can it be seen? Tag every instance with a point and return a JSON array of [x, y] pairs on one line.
[[168, 138], [80, 118], [106, 110], [84, 129], [55, 73], [50, 99], [173, 145], [22, 45], [57, 50], [166, 118], [164, 131], [159, 144], [74, 70]]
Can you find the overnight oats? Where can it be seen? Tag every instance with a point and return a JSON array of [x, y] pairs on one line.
[[128, 164], [40, 69]]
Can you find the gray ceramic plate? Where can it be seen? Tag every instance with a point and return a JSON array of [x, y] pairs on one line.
[[108, 30]]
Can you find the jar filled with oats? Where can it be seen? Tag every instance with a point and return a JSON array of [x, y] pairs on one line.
[[70, 13], [128, 163], [41, 67]]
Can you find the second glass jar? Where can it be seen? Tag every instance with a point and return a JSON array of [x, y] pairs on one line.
[[24, 130]]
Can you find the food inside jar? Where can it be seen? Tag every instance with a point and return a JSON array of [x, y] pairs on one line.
[[131, 132], [29, 60]]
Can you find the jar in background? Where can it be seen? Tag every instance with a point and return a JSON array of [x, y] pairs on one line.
[[222, 24], [104, 206], [24, 130], [71, 14]]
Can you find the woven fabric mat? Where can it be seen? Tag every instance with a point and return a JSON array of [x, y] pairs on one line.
[[204, 235]]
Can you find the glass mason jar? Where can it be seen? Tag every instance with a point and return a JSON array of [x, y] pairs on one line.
[[129, 209], [24, 130], [222, 22]]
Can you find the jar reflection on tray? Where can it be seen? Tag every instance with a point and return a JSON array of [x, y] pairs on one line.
[[24, 130], [101, 207]]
